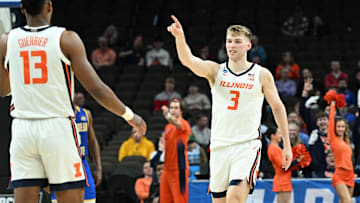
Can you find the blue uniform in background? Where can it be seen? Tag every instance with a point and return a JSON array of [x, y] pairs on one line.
[[82, 122]]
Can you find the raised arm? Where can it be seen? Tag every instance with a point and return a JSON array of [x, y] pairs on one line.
[[94, 149], [331, 126], [203, 68], [279, 112], [73, 48], [4, 77]]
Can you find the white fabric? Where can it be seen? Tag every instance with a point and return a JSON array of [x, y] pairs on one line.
[[45, 148], [230, 125], [236, 162], [39, 100]]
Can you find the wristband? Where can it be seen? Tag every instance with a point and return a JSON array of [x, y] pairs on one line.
[[168, 116], [129, 114]]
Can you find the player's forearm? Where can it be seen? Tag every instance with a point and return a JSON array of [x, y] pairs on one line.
[[95, 153], [184, 51], [107, 98], [279, 112]]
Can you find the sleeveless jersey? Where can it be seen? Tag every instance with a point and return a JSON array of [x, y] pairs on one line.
[[237, 105], [41, 79], [82, 124]]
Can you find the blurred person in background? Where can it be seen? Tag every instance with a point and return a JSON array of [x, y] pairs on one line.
[[257, 53], [288, 62], [136, 145], [103, 56]]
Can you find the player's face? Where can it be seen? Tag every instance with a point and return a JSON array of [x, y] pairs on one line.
[[340, 128], [237, 46], [175, 109]]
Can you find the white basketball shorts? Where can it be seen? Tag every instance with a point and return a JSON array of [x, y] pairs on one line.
[[46, 151], [230, 165]]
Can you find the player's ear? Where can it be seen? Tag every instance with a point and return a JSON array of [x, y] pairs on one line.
[[22, 9], [249, 46], [48, 6]]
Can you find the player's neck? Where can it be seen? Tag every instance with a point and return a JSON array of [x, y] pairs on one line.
[[239, 66], [37, 21]]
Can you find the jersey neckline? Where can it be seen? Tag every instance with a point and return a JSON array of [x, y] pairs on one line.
[[35, 29], [240, 74]]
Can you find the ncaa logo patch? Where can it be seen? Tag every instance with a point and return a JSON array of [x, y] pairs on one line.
[[83, 118], [225, 72]]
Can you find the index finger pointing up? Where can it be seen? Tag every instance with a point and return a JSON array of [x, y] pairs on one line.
[[175, 20]]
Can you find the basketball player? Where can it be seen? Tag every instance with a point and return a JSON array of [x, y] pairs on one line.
[[84, 123], [37, 64], [174, 179], [238, 88]]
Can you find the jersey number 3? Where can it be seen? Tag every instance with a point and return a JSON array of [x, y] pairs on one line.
[[42, 65], [235, 99]]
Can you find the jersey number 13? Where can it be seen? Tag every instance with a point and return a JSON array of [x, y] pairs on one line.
[[42, 65]]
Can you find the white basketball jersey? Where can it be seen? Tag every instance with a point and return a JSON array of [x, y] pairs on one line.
[[237, 106], [41, 79]]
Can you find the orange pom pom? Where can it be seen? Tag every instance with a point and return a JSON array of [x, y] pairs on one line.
[[340, 101], [300, 150], [330, 95]]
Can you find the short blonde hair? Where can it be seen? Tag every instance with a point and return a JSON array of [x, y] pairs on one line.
[[239, 30]]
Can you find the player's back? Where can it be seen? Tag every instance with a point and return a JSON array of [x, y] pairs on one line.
[[41, 79]]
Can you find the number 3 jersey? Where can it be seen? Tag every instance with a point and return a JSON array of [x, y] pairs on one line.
[[237, 106], [41, 80]]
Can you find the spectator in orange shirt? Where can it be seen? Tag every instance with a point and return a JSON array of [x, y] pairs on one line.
[[338, 135], [142, 185], [103, 56], [288, 62], [282, 179], [174, 178]]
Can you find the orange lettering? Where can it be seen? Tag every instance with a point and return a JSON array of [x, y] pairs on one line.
[[250, 86]]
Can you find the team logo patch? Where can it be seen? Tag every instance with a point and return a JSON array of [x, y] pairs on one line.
[[83, 118], [251, 76]]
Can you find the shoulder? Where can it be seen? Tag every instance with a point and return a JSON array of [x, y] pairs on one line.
[[265, 74]]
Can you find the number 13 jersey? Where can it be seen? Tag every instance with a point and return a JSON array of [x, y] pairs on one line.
[[237, 106], [41, 79]]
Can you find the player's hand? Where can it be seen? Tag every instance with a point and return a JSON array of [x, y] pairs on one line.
[[175, 28], [165, 110], [287, 158], [97, 177], [138, 123]]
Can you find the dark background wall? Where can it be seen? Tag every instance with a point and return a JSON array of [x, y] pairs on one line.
[[4, 144]]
